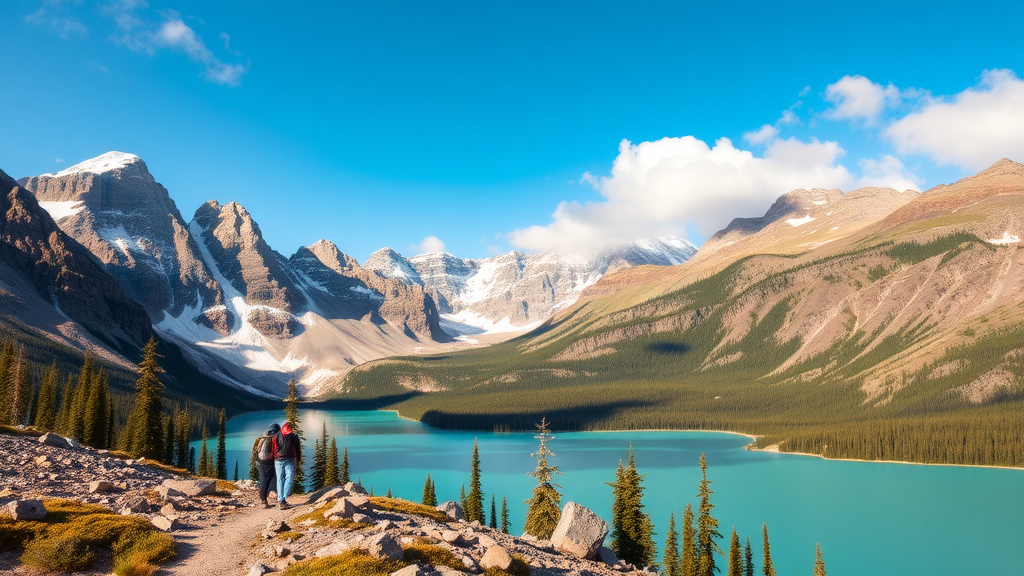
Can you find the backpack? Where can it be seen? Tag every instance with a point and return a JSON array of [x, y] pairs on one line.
[[264, 448]]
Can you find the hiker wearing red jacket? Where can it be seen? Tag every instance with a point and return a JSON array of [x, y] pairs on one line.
[[287, 455]]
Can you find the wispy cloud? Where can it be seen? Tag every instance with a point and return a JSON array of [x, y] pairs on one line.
[[138, 34], [63, 26]]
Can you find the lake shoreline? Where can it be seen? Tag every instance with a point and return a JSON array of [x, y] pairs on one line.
[[774, 448]]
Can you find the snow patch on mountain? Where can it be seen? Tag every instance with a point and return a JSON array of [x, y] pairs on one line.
[[60, 210], [794, 222], [1006, 239], [100, 164]]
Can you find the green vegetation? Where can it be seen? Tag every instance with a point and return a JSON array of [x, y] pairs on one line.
[[679, 361], [707, 525], [429, 492], [353, 563], [819, 563], [68, 538], [291, 414], [222, 449], [632, 529], [519, 567], [433, 555], [544, 508], [475, 499], [406, 507], [143, 434]]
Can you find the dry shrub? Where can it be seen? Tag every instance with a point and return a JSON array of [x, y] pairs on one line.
[[353, 563], [433, 555], [60, 554]]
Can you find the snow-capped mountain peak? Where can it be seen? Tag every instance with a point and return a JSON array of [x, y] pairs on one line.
[[112, 160]]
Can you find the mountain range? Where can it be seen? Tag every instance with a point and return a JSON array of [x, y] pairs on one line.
[[253, 318]]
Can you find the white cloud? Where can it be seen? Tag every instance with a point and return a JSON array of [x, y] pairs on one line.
[[887, 172], [974, 129], [428, 245], [857, 98], [65, 27], [788, 117], [171, 34], [661, 188], [761, 135]]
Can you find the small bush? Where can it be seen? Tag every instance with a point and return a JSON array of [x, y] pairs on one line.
[[433, 555], [406, 507], [317, 516], [60, 554], [519, 567], [353, 563]]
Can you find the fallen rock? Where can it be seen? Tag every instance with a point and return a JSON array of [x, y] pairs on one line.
[[277, 526], [496, 557], [353, 488], [165, 523], [580, 532], [26, 510], [192, 488], [385, 545], [453, 510], [607, 555], [51, 439], [101, 486], [135, 505]]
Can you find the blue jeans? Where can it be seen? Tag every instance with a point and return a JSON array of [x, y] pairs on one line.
[[285, 470]]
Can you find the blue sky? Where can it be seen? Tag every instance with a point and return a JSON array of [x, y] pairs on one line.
[[499, 125]]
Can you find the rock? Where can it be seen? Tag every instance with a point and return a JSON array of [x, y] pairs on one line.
[[169, 509], [496, 557], [325, 494], [168, 492], [41, 459], [341, 509], [360, 501], [452, 537], [277, 526], [385, 545], [335, 548], [26, 510], [446, 571], [360, 518], [470, 564], [410, 570], [580, 532], [453, 510], [607, 555], [281, 551], [165, 523], [101, 486], [485, 540], [385, 525], [135, 505], [51, 439], [258, 569], [353, 488], [72, 443], [192, 488]]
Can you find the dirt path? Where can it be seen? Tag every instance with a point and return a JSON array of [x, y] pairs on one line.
[[222, 548]]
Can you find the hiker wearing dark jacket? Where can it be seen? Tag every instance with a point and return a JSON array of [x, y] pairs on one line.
[[263, 453], [287, 455]]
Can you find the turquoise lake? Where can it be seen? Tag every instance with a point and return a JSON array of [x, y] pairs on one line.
[[870, 518]]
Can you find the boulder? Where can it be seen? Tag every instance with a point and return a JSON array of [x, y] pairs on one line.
[[258, 569], [281, 551], [169, 509], [335, 548], [277, 526], [25, 510], [101, 486], [192, 488], [72, 443], [135, 505], [496, 557], [51, 439], [166, 523], [607, 555], [411, 570], [446, 571], [343, 508], [385, 545], [485, 540], [168, 492], [353, 488], [325, 494], [453, 510], [360, 518], [580, 532], [359, 501], [385, 525], [452, 537]]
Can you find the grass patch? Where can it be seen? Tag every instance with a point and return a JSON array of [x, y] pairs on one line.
[[317, 516], [151, 463], [406, 507], [519, 567], [289, 535], [67, 538], [5, 429], [352, 563], [433, 555]]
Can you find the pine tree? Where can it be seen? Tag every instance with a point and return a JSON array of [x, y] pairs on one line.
[[389, 492], [344, 476], [735, 555], [169, 439], [291, 413], [689, 560], [506, 525], [494, 514], [462, 497], [748, 560], [670, 557], [222, 445], [145, 424], [204, 457], [475, 498], [427, 500], [46, 406], [707, 525], [333, 477], [433, 492], [64, 414], [94, 413], [632, 530], [236, 470], [17, 400], [819, 563], [318, 472], [76, 424], [184, 433], [111, 419], [6, 362], [543, 509], [191, 459], [768, 569]]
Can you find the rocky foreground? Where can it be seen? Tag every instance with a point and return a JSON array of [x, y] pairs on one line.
[[222, 528]]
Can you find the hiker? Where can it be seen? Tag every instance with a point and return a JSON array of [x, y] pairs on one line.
[[263, 453], [287, 455]]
